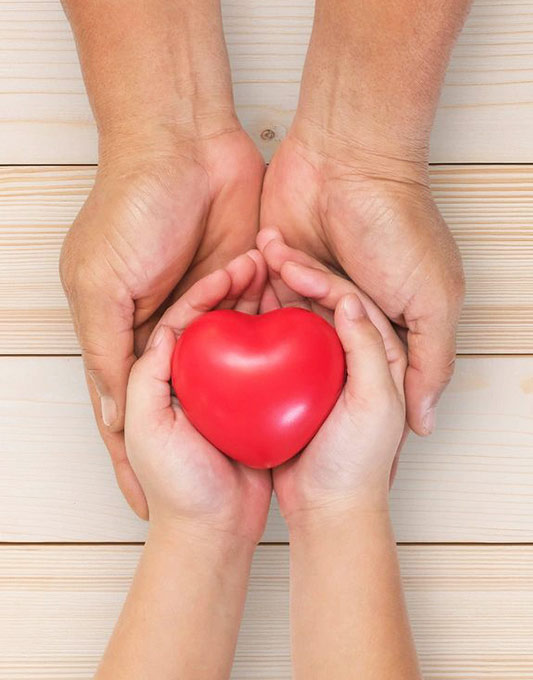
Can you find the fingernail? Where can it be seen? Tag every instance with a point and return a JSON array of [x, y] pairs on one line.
[[158, 337], [429, 420], [109, 410], [353, 309]]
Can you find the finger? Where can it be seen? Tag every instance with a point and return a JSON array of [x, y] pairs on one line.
[[125, 476], [368, 372], [250, 298], [203, 296], [242, 270], [149, 390], [104, 324], [431, 355], [287, 297], [264, 236], [324, 287], [327, 289], [277, 252]]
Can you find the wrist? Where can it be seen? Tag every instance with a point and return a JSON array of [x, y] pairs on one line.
[[361, 153], [334, 515], [218, 545], [154, 71], [373, 74], [356, 524], [158, 141]]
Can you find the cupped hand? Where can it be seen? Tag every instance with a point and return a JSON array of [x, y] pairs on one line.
[[353, 457], [374, 218], [187, 481], [156, 221]]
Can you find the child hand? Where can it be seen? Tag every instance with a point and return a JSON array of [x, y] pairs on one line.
[[186, 480], [351, 460]]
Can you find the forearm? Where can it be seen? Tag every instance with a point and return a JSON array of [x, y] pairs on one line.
[[347, 608], [374, 70], [153, 69], [182, 614]]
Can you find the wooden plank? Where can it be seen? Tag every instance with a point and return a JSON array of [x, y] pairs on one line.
[[471, 481], [489, 209], [471, 609], [484, 114]]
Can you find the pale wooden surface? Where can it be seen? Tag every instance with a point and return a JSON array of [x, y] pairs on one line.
[[484, 116], [471, 605], [471, 481], [471, 609], [489, 209]]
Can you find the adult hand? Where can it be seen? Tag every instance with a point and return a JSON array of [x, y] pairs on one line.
[[349, 184], [188, 483], [156, 221], [374, 218]]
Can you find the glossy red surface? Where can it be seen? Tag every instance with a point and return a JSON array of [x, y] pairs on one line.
[[258, 387]]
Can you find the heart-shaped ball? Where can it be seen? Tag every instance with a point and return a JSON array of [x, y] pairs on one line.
[[258, 387]]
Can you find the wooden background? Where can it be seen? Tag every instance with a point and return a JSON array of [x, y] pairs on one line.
[[463, 501]]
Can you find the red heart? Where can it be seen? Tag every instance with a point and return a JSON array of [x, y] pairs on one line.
[[258, 387]]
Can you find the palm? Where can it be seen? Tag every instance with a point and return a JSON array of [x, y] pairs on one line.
[[388, 236], [345, 220], [197, 481], [160, 229]]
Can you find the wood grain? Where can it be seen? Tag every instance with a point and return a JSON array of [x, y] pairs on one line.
[[471, 610], [471, 481], [484, 116], [489, 209]]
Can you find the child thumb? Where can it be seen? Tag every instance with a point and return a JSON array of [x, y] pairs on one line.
[[148, 386], [366, 359]]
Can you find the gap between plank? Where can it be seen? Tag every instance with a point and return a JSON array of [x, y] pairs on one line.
[[400, 544]]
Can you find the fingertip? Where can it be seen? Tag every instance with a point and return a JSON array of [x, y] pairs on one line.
[[243, 262], [352, 308], [265, 236], [348, 309], [258, 258], [217, 286], [423, 391], [422, 425], [261, 270], [273, 254], [421, 410], [366, 360], [163, 336], [112, 420], [242, 271]]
